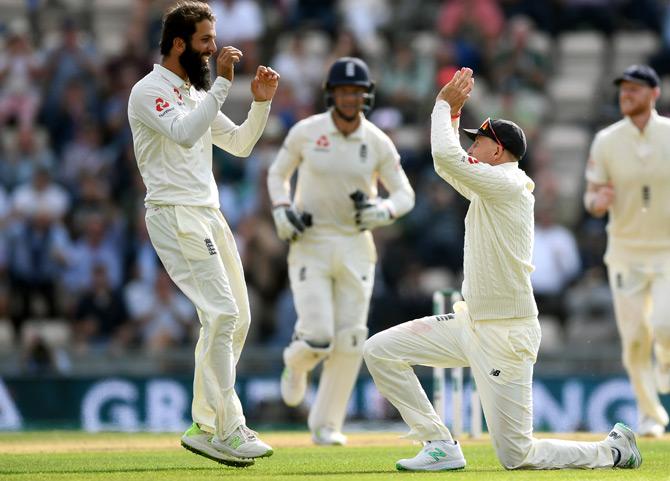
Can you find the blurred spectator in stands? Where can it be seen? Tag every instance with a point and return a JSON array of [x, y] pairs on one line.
[[660, 61], [25, 153], [584, 14], [240, 23], [41, 194], [302, 71], [162, 315], [114, 109], [543, 14], [406, 81], [479, 21], [38, 359], [365, 18], [317, 14], [344, 45], [101, 315], [20, 74], [74, 58], [516, 64], [69, 115], [556, 261], [435, 227], [85, 156], [98, 246], [37, 255], [141, 260], [264, 259]]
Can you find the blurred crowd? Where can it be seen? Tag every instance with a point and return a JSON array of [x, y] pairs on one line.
[[73, 244]]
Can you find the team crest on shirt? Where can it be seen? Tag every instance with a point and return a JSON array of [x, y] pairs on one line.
[[363, 152], [180, 99], [469, 159], [322, 143]]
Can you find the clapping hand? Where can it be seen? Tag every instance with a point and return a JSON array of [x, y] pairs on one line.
[[458, 89], [264, 85]]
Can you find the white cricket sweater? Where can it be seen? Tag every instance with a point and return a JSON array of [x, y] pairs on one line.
[[498, 226], [174, 126]]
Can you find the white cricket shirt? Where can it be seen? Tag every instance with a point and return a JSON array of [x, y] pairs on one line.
[[498, 226], [638, 165], [331, 166], [174, 126]]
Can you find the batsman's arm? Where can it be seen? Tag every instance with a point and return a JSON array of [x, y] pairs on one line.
[[156, 106], [282, 168]]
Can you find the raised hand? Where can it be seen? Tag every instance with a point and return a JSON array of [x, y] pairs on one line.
[[225, 62], [458, 89], [264, 85]]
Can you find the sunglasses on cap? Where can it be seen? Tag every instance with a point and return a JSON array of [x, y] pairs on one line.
[[487, 125]]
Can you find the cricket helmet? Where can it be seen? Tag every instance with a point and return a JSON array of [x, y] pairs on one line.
[[350, 71]]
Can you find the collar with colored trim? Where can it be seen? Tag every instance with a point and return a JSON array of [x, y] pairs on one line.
[[174, 79]]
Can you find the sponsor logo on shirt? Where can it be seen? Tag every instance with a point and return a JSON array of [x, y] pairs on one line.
[[495, 372], [161, 104]]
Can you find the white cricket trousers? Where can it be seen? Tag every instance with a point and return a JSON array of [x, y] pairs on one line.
[[642, 309], [331, 280], [199, 253], [501, 355]]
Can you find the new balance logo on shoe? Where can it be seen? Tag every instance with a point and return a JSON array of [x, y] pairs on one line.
[[437, 454], [614, 435]]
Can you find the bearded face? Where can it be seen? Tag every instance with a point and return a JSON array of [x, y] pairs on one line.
[[196, 66]]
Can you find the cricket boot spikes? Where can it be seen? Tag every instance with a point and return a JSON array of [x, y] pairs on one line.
[[435, 456], [200, 442], [622, 440], [243, 443]]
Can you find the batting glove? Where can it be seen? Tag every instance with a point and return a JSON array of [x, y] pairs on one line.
[[288, 223], [378, 213]]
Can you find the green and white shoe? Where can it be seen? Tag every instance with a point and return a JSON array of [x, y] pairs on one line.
[[200, 442], [243, 443], [435, 456], [622, 439]]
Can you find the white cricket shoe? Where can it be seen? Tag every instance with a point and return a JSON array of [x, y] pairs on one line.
[[293, 386], [325, 436], [243, 443], [650, 428], [200, 442], [662, 376], [622, 438], [435, 456]]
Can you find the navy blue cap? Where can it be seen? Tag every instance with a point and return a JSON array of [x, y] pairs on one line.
[[641, 74]]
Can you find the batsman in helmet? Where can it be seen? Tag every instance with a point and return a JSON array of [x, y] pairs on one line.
[[339, 157]]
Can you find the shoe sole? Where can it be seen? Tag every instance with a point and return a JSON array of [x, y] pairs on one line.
[[630, 436], [266, 454], [228, 462], [400, 467]]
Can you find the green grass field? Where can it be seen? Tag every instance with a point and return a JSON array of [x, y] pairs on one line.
[[75, 456]]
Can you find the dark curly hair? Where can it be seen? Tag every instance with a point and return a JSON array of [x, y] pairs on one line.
[[180, 21]]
